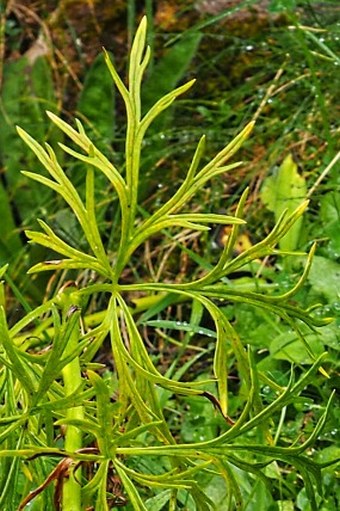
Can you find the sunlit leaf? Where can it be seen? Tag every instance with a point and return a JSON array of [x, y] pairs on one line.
[[285, 190]]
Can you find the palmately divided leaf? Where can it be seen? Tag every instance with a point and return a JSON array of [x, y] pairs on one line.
[[132, 411]]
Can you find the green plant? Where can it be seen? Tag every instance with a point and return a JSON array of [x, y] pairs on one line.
[[58, 402], [24, 103]]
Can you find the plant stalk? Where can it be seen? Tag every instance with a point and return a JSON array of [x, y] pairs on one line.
[[73, 436]]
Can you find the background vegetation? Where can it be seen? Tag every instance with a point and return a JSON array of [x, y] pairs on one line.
[[274, 62]]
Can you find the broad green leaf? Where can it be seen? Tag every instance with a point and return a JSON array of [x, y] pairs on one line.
[[158, 502], [288, 346], [329, 335], [10, 243], [324, 276], [330, 208], [24, 102], [96, 103], [285, 190], [21, 101]]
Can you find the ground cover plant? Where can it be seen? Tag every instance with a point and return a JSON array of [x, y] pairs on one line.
[[75, 435]]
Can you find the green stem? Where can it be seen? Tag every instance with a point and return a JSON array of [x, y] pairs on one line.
[[73, 436]]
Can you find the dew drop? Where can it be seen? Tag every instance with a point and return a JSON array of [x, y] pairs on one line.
[[336, 306]]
